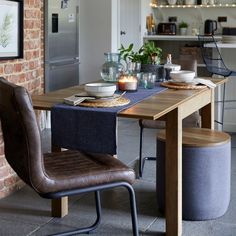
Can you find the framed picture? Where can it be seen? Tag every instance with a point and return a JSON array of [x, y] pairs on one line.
[[11, 29]]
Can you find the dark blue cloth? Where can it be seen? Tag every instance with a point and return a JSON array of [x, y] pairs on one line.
[[91, 129]]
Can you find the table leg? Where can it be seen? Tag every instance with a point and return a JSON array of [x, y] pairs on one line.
[[59, 207], [173, 173], [208, 113]]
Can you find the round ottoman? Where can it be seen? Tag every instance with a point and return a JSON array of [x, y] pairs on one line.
[[206, 158]]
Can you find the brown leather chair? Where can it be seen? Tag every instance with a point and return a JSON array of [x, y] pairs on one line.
[[193, 120], [55, 175]]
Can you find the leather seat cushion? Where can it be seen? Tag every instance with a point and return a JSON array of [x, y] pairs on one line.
[[74, 169]]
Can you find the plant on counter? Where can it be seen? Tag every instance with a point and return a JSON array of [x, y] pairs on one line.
[[147, 54], [128, 54], [183, 24]]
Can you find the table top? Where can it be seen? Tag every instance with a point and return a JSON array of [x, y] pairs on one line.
[[151, 108]]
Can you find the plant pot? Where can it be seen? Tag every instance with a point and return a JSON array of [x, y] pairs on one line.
[[158, 70], [171, 2], [190, 2], [183, 31]]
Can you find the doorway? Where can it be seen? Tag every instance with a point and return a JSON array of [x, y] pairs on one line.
[[130, 23]]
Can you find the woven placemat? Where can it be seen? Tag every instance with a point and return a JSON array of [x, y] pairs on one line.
[[111, 103], [178, 85]]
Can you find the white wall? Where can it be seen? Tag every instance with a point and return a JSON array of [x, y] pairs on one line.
[[145, 11], [95, 37]]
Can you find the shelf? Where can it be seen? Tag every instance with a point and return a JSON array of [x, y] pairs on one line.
[[192, 6], [176, 37]]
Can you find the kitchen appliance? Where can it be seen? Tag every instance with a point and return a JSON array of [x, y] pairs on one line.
[[210, 27], [229, 31], [166, 28], [61, 44]]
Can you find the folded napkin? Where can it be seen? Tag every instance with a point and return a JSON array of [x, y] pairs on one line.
[[76, 99], [206, 82]]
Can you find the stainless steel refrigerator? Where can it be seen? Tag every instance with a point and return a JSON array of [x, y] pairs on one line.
[[61, 44]]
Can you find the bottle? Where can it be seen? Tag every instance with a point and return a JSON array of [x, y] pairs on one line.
[[199, 2], [169, 59], [169, 66]]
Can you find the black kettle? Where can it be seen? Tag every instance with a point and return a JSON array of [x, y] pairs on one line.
[[210, 27]]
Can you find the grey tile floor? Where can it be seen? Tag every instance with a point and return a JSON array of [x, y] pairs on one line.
[[25, 213]]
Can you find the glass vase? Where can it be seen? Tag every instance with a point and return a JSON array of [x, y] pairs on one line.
[[112, 68]]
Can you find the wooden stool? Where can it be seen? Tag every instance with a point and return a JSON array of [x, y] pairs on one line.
[[206, 173]]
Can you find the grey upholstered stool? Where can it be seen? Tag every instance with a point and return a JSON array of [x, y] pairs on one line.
[[206, 173]]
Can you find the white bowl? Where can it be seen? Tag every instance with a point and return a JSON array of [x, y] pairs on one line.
[[100, 89], [185, 76]]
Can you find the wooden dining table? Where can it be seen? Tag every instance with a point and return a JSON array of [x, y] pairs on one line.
[[172, 106]]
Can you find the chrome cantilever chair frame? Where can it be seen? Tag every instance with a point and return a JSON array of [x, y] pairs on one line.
[[215, 65], [96, 190], [58, 174]]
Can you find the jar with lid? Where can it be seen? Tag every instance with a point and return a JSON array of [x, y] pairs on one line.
[[112, 68]]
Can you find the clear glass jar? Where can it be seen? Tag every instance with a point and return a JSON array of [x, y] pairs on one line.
[[112, 68]]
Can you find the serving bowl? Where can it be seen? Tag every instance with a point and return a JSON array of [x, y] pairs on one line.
[[100, 89], [185, 76]]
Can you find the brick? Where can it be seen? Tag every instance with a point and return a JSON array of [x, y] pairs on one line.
[[18, 67], [4, 171], [27, 72], [1, 184], [9, 69], [1, 69], [9, 181]]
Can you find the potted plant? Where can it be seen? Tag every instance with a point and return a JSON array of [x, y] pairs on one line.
[[183, 26], [148, 55]]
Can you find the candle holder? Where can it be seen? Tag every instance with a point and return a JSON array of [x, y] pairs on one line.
[[128, 83]]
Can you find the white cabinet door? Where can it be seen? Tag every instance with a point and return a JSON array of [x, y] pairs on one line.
[[130, 28]]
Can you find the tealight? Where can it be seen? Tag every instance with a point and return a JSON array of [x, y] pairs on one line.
[[128, 83]]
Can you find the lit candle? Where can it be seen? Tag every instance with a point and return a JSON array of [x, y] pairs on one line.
[[127, 83]]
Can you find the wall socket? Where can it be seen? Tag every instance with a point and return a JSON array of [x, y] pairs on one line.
[[222, 18]]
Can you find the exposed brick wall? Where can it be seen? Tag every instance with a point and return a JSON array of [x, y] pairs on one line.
[[27, 72]]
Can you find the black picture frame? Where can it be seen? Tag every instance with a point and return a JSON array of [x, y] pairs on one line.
[[11, 29]]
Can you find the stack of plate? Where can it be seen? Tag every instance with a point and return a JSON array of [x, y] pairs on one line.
[[228, 38]]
